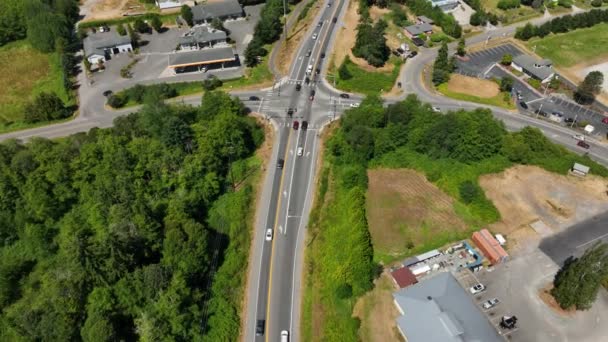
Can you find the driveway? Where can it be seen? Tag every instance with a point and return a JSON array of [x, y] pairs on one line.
[[241, 30]]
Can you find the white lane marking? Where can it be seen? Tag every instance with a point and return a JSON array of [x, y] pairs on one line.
[[293, 171], [590, 241]]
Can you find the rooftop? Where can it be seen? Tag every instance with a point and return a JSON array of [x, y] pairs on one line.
[[425, 19], [97, 42], [216, 9], [440, 310], [538, 68], [417, 29], [202, 34], [404, 277], [199, 57]]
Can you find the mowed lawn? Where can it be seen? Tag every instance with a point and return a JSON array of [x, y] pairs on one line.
[[574, 47], [25, 73], [368, 82], [407, 214]]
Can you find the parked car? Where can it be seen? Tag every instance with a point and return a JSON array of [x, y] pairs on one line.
[[354, 105], [280, 163], [107, 93], [477, 288], [605, 120], [269, 234], [582, 144], [488, 304], [304, 125], [436, 109], [254, 98], [300, 151], [290, 112], [259, 327], [523, 105], [579, 137], [296, 125], [344, 96], [508, 322], [320, 24], [570, 120], [413, 54], [307, 80]]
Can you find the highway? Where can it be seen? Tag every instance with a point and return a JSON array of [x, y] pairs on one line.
[[274, 286]]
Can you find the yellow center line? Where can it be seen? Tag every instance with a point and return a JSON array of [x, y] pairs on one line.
[[276, 221]]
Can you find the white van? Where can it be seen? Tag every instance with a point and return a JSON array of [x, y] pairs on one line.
[[284, 336], [309, 69]]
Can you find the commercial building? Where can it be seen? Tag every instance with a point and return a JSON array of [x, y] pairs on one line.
[[100, 46], [440, 310], [403, 277], [203, 60], [490, 247], [223, 10], [200, 37], [541, 70]]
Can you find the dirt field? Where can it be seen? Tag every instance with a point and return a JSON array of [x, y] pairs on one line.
[[408, 209], [107, 9], [471, 85], [377, 312], [524, 194], [346, 37], [290, 48]]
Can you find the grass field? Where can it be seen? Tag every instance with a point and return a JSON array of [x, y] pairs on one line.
[[497, 100], [511, 15], [367, 82], [571, 48], [408, 213], [26, 72]]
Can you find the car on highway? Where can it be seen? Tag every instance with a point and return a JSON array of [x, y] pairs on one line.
[[320, 24], [354, 105], [259, 328], [579, 137], [344, 96], [312, 95], [334, 20], [300, 151], [280, 163], [436, 109], [269, 234], [314, 36], [317, 71], [107, 93], [298, 86], [329, 4], [304, 125], [605, 120], [308, 53], [309, 69], [477, 288], [254, 98], [284, 336], [322, 55], [296, 125], [307, 80], [582, 144], [490, 303]]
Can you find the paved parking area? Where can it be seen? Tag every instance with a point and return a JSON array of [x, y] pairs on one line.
[[241, 30], [479, 63], [570, 110]]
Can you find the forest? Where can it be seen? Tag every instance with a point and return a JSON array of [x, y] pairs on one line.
[[137, 232]]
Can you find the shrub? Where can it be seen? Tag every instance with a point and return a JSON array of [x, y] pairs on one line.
[[45, 107], [534, 83], [469, 191], [343, 71], [507, 59], [116, 101], [439, 37], [506, 84], [596, 3], [212, 83], [507, 4], [120, 29]]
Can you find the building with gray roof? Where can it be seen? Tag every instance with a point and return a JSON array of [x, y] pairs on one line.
[[201, 37], [539, 69], [216, 58], [221, 9], [98, 47], [418, 29], [440, 310]]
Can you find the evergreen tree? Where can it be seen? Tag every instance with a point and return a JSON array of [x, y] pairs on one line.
[[156, 23], [120, 29], [461, 51], [186, 13], [591, 86], [576, 284], [442, 67], [133, 35]]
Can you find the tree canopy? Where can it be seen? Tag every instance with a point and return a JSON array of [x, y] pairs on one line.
[[110, 235], [591, 86]]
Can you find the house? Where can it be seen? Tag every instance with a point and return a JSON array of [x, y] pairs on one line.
[[539, 69], [489, 246], [440, 310], [100, 46], [418, 29], [203, 60], [221, 9], [423, 19], [201, 37], [403, 277], [445, 5]]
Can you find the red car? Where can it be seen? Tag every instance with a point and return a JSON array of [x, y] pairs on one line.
[[296, 124], [582, 144], [605, 120]]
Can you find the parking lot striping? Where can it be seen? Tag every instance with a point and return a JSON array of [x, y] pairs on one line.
[[591, 241]]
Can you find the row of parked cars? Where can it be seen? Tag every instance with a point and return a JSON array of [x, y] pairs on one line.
[[506, 322]]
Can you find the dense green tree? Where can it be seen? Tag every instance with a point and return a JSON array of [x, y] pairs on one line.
[[45, 107], [121, 30], [442, 68], [133, 35], [186, 13], [371, 43], [461, 50], [591, 86], [506, 84], [156, 24], [506, 59], [577, 282], [140, 26]]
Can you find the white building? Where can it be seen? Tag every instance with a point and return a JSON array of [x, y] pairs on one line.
[[99, 47]]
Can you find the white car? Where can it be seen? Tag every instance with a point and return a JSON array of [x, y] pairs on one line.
[[477, 288], [284, 336], [579, 137], [490, 303], [269, 234], [314, 36], [354, 105], [300, 151], [436, 109]]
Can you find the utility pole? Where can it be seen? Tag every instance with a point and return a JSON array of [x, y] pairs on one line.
[[573, 121], [539, 109]]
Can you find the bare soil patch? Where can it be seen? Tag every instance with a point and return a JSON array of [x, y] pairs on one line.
[[545, 295], [524, 194], [376, 12], [377, 312], [403, 208], [288, 49], [105, 9], [474, 86], [346, 38]]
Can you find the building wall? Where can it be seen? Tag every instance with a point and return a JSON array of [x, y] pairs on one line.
[[125, 48]]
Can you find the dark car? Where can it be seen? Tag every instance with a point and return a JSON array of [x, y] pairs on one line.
[[296, 125], [259, 327], [334, 20], [307, 80], [569, 120], [312, 95], [107, 93], [523, 105], [304, 125], [320, 24], [344, 96], [318, 71], [308, 53], [298, 86], [254, 98], [290, 111], [413, 54], [582, 144], [322, 54]]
